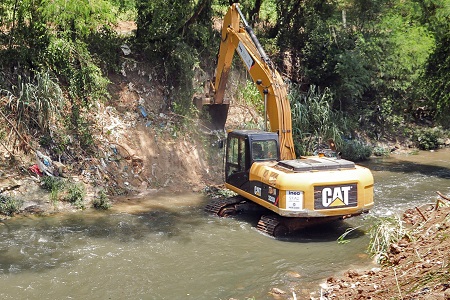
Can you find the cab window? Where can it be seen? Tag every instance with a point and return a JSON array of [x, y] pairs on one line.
[[264, 150]]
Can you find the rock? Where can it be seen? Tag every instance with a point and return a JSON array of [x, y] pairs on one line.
[[33, 210], [8, 184], [277, 291]]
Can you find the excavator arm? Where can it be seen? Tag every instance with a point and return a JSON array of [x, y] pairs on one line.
[[267, 79]]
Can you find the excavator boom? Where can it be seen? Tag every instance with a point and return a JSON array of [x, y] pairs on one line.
[[267, 79]]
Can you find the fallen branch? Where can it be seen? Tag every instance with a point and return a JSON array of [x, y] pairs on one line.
[[418, 210], [443, 196]]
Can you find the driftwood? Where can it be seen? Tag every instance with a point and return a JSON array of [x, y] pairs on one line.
[[443, 196], [420, 213]]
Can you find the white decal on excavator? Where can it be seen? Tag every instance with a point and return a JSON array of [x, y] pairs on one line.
[[336, 196], [294, 200], [246, 58]]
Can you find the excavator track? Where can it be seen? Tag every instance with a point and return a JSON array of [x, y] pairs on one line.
[[223, 206], [272, 225]]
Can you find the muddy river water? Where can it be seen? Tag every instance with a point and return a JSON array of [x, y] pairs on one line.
[[166, 247]]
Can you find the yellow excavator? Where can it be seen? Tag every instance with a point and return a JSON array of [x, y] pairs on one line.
[[261, 165]]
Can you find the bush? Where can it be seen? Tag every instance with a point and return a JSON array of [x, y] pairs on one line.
[[50, 183], [75, 195], [380, 151], [355, 150], [9, 205], [428, 138], [102, 201]]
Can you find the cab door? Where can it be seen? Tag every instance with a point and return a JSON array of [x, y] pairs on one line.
[[236, 169]]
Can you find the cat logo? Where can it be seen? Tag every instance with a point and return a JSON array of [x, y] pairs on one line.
[[257, 191], [336, 196]]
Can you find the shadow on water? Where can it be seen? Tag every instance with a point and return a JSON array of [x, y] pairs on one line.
[[327, 232]]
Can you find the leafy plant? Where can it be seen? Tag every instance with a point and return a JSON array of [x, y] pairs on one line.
[[75, 195], [9, 205], [355, 150], [428, 138], [381, 151], [250, 95], [313, 119], [54, 185], [36, 101], [102, 201], [50, 183]]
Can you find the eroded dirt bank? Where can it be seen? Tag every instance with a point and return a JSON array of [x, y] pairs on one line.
[[416, 267]]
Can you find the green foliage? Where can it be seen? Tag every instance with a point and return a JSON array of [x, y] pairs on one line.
[[102, 201], [54, 185], [75, 195], [59, 51], [428, 138], [36, 101], [50, 183], [250, 94], [436, 80], [175, 37], [73, 62], [380, 151], [78, 19], [67, 191], [9, 205], [313, 119], [355, 150]]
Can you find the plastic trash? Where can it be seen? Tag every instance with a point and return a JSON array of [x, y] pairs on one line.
[[143, 112]]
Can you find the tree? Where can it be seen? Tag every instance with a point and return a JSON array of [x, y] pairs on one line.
[[173, 36], [435, 80]]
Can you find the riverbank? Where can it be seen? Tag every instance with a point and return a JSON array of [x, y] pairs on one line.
[[416, 266]]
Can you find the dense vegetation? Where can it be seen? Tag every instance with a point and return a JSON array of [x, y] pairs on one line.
[[355, 66]]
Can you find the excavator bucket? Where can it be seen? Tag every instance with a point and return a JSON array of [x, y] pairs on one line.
[[216, 116], [213, 115]]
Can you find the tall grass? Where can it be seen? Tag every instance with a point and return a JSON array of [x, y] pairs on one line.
[[383, 233], [313, 119], [9, 205], [35, 101]]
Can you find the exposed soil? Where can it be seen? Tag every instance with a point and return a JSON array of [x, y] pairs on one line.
[[416, 267]]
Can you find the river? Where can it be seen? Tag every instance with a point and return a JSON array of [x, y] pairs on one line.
[[165, 247]]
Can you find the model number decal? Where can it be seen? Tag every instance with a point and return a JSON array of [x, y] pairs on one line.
[[294, 200]]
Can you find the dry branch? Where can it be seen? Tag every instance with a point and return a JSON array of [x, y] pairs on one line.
[[443, 196]]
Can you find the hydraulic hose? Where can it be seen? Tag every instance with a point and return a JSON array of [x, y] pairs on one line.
[[253, 36]]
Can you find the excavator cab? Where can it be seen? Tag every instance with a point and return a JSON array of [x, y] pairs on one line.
[[245, 147]]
